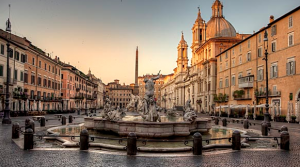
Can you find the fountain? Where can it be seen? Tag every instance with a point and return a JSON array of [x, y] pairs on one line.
[[150, 123]]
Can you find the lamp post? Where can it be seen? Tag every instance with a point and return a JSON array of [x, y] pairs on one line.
[[6, 119], [86, 96], [266, 115]]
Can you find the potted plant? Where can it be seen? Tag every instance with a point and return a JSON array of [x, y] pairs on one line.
[[282, 118], [293, 117]]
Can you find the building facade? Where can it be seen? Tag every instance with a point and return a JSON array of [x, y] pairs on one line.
[[242, 68], [118, 94], [198, 81]]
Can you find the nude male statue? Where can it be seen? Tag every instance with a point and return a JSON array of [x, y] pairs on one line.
[[149, 86]]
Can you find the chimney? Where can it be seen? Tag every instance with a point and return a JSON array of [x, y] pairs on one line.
[[271, 18], [56, 58]]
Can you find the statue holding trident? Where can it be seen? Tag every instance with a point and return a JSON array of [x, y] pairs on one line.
[[149, 103], [149, 86]]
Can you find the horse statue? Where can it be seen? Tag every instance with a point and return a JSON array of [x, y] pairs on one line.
[[152, 113], [116, 115]]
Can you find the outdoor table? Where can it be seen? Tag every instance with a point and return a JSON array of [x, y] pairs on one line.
[[37, 118]]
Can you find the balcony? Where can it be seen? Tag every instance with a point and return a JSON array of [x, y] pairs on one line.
[[262, 94], [12, 81], [242, 97], [221, 98], [246, 82]]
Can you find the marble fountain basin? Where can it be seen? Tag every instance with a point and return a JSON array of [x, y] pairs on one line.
[[167, 128]]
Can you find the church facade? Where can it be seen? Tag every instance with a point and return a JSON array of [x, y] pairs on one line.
[[197, 82]]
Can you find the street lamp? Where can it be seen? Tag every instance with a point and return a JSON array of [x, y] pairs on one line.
[[266, 115], [6, 119], [86, 96]]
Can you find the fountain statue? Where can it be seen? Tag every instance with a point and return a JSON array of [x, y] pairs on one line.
[[189, 113], [110, 114]]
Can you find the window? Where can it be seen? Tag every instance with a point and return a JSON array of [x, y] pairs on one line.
[[291, 39], [233, 51], [45, 82], [32, 79], [260, 74], [49, 83], [40, 64], [1, 70], [45, 66], [2, 49], [55, 70], [249, 56], [259, 52], [240, 48], [273, 30], [220, 83], [240, 59], [49, 68], [21, 76], [233, 62], [62, 76], [52, 69], [39, 81], [291, 67], [240, 75], [11, 53], [16, 75], [226, 64], [290, 21], [248, 44], [33, 61], [233, 80], [23, 58], [226, 55], [273, 46], [220, 58], [25, 77], [17, 55], [274, 70], [226, 82], [259, 38]]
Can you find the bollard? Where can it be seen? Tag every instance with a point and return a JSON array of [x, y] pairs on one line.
[[15, 130], [264, 129], [131, 144], [224, 121], [84, 140], [28, 139], [284, 128], [246, 124], [216, 121], [43, 121], [29, 124], [236, 140], [78, 112], [70, 119], [63, 120], [197, 144], [285, 140]]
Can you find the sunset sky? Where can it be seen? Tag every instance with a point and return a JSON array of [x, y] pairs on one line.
[[103, 34]]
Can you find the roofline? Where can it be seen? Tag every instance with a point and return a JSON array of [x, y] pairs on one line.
[[262, 29]]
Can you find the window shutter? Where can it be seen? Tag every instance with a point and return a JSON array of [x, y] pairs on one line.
[[271, 73], [275, 29], [275, 72], [293, 67], [262, 74], [287, 68]]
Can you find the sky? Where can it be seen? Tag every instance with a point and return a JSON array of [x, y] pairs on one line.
[[102, 35]]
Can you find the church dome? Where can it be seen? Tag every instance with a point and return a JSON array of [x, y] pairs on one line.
[[219, 27]]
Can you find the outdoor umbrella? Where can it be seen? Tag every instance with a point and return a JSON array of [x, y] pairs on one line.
[[228, 110], [22, 105], [298, 108], [254, 111], [220, 111], [40, 106], [17, 105], [288, 112], [246, 114], [27, 105]]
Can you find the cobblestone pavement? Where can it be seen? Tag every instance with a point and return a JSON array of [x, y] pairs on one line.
[[11, 155]]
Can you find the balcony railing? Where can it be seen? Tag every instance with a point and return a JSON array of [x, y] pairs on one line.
[[243, 97], [246, 82], [271, 94], [12, 81]]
